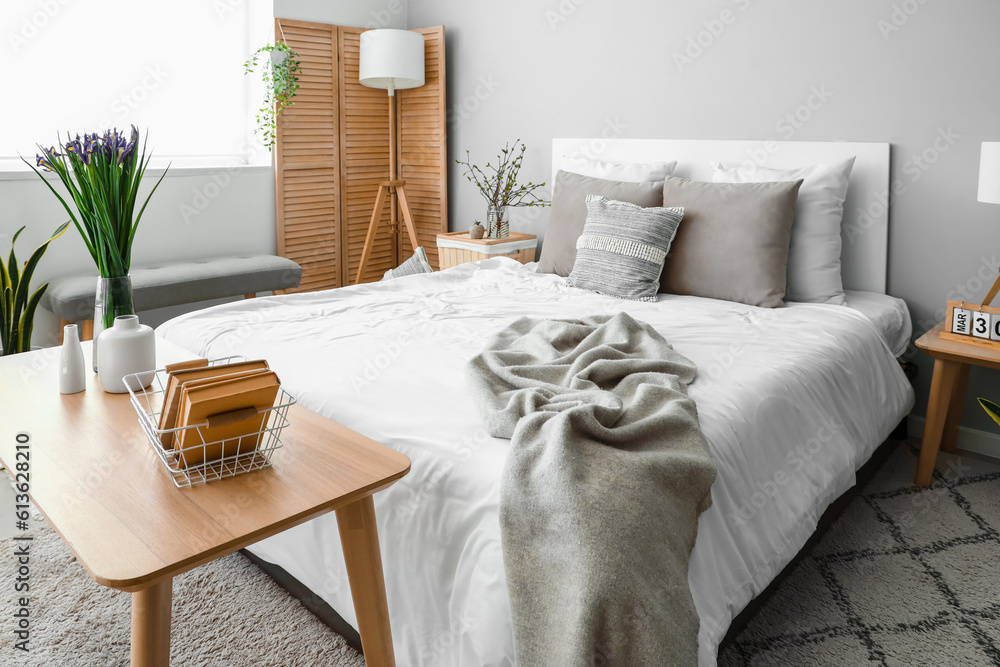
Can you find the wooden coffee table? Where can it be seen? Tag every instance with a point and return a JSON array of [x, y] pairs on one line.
[[96, 480]]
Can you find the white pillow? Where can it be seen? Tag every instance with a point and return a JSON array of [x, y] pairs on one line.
[[813, 274], [629, 172]]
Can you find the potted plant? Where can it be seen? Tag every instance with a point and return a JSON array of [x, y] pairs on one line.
[[498, 185], [992, 409], [281, 81], [17, 309], [101, 174]]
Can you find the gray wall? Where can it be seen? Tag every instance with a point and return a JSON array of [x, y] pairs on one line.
[[908, 72]]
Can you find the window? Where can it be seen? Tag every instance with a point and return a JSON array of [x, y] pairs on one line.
[[173, 68]]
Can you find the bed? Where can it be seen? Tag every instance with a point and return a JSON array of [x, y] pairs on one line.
[[793, 401]]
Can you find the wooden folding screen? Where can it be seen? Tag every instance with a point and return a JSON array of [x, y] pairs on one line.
[[333, 150], [307, 159], [423, 150]]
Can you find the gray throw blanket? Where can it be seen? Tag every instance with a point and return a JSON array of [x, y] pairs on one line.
[[607, 474]]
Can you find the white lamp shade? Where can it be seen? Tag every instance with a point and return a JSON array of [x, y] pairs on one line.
[[989, 173], [391, 59]]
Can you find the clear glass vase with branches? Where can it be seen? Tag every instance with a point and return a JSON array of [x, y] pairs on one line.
[[498, 185]]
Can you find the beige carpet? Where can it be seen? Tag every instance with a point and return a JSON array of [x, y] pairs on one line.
[[224, 613], [904, 577]]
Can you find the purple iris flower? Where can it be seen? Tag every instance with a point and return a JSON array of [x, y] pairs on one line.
[[46, 157], [74, 146], [113, 142]]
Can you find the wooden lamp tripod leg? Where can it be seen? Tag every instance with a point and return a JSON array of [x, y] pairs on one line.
[[992, 293], [383, 190], [404, 208], [396, 191]]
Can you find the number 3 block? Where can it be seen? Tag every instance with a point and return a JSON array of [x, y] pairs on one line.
[[981, 325]]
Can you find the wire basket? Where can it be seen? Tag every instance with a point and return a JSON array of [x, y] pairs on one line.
[[251, 451]]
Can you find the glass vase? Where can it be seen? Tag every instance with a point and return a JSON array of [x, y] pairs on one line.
[[114, 298], [497, 223]]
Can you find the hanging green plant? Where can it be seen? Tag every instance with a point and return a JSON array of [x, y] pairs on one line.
[[280, 75]]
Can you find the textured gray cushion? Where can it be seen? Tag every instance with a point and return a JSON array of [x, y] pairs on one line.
[[733, 244], [569, 213], [622, 248], [171, 284], [415, 265]]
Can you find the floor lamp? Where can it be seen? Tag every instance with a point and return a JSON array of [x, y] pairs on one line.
[[989, 190], [390, 59]]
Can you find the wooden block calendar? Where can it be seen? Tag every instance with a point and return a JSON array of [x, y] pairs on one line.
[[972, 323]]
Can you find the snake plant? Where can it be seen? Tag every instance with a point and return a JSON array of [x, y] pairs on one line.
[[17, 309], [992, 409]]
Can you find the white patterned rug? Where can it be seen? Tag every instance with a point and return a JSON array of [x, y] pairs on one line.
[[904, 577]]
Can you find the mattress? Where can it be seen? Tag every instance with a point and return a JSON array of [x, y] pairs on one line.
[[792, 401], [888, 314]]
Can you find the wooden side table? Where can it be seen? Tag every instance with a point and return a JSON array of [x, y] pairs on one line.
[[952, 361], [95, 480]]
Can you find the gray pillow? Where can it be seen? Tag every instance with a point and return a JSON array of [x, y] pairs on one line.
[[569, 213], [622, 248], [733, 244]]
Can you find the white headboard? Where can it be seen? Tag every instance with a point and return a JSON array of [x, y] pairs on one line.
[[866, 214]]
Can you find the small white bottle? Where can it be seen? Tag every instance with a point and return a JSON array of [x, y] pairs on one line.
[[72, 369]]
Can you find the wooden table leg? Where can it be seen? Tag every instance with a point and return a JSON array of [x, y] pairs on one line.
[[950, 438], [359, 537], [942, 389], [151, 625]]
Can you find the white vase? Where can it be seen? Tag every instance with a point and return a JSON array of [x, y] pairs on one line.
[[72, 368], [126, 348]]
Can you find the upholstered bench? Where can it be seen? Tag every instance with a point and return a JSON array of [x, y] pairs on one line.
[[172, 284]]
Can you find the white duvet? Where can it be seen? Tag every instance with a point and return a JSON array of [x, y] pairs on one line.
[[791, 400]]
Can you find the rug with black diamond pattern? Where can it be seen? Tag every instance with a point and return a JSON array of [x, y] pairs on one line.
[[906, 576]]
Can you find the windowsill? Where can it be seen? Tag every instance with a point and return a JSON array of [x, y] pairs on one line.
[[26, 174]]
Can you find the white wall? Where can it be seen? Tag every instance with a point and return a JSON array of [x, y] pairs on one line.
[[355, 13], [195, 213], [917, 73]]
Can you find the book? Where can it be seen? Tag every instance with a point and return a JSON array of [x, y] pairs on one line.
[[178, 376], [183, 365], [230, 412]]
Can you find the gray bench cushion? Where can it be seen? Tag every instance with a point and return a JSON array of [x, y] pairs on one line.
[[175, 283]]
